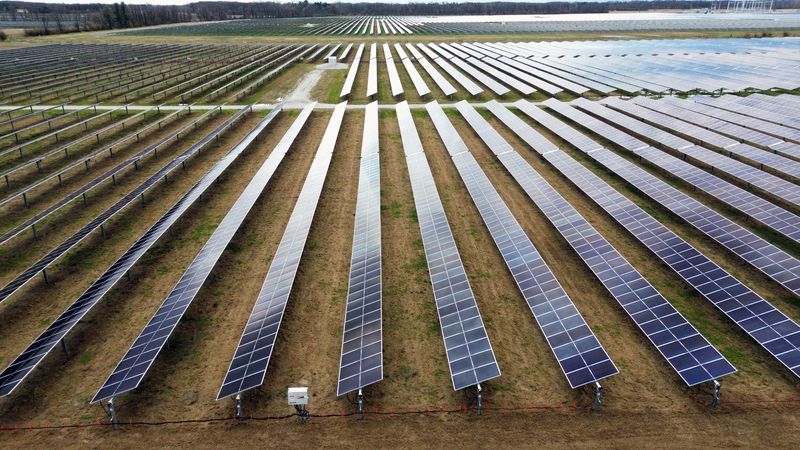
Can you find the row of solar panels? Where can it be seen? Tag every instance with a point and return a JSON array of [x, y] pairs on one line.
[[502, 67], [467, 345]]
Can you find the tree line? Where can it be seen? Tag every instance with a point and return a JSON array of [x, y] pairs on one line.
[[53, 18]]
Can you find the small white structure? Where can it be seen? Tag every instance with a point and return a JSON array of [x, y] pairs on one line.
[[331, 61], [298, 396]]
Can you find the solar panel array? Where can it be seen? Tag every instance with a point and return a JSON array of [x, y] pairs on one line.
[[773, 262], [579, 353], [145, 349], [40, 265], [469, 352], [685, 349], [470, 24], [361, 362], [772, 329], [391, 68], [445, 86], [753, 136], [22, 366], [765, 126], [351, 74], [419, 84], [470, 86], [776, 186], [251, 358], [372, 72], [760, 158]]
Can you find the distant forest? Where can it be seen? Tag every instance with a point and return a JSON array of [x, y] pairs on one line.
[[55, 18]]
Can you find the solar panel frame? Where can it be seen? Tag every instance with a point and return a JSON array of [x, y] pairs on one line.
[[248, 367]]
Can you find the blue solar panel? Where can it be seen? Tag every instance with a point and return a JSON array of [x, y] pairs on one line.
[[361, 361], [772, 261], [729, 294], [251, 358], [73, 240], [753, 176], [30, 358], [469, 351], [137, 361], [579, 353], [687, 351]]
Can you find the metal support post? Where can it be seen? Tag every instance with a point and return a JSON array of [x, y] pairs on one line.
[[479, 400], [715, 394], [598, 397]]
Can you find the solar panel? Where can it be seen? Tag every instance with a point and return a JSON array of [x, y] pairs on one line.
[[498, 88], [469, 352], [251, 359], [711, 123], [345, 52], [552, 80], [394, 77], [758, 318], [581, 356], [414, 52], [731, 104], [73, 240], [133, 367], [438, 78], [739, 119], [772, 261], [776, 186], [372, 72], [460, 78], [523, 88], [419, 84], [756, 156], [21, 367], [351, 74], [361, 362], [685, 349], [518, 70]]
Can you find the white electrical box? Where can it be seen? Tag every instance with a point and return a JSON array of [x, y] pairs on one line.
[[331, 60], [298, 396]]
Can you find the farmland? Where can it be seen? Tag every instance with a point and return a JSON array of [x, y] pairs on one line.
[[571, 242]]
